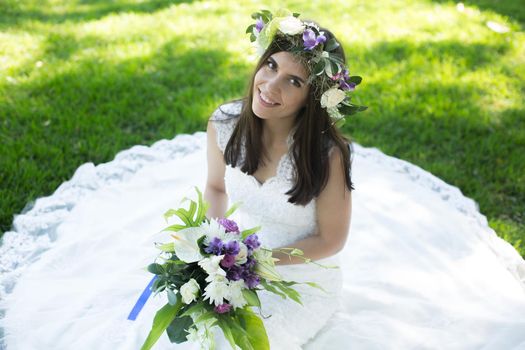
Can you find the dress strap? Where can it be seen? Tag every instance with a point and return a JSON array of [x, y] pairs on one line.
[[225, 118]]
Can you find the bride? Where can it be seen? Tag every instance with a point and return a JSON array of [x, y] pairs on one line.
[[419, 269]]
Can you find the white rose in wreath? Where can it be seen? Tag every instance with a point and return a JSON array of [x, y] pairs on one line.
[[291, 25], [332, 97]]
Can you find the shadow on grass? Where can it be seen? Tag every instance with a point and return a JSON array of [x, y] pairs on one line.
[[13, 13], [515, 10], [94, 110]]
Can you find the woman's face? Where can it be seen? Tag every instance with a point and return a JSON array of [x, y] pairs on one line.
[[279, 89]]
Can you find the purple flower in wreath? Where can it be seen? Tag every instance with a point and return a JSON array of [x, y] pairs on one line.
[[259, 24], [222, 308], [311, 40], [229, 225], [344, 85], [215, 246]]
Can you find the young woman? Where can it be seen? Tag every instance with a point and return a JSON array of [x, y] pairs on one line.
[[278, 152]]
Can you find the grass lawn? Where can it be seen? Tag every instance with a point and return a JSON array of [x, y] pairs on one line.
[[81, 80]]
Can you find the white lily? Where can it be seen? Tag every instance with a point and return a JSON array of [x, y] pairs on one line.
[[185, 244]]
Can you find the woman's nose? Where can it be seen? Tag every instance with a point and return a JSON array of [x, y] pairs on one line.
[[272, 85]]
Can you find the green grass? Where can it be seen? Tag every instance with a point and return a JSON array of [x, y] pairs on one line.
[[82, 80]]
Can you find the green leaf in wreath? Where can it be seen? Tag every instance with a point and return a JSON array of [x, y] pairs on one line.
[[162, 320], [331, 45]]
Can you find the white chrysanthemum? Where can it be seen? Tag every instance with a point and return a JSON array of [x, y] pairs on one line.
[[235, 295], [214, 229], [242, 257], [193, 335], [291, 25], [332, 97], [189, 291], [217, 291], [211, 265]]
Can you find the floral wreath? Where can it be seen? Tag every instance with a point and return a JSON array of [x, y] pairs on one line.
[[328, 71]]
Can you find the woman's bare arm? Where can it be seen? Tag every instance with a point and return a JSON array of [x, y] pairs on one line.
[[334, 209], [215, 192]]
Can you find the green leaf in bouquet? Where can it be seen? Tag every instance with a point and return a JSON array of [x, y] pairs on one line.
[[202, 208], [206, 316], [175, 228], [251, 297], [248, 232], [228, 334], [156, 269], [168, 214], [232, 209], [193, 309], [254, 329], [177, 330], [172, 297], [315, 285], [167, 247], [162, 320], [290, 292], [268, 286]]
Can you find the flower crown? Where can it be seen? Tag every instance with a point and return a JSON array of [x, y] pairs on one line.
[[328, 71]]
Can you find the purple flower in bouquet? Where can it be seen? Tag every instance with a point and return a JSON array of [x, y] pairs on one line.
[[229, 225], [250, 262], [222, 308], [251, 279], [234, 273], [228, 261], [231, 248], [215, 246], [311, 40], [252, 242]]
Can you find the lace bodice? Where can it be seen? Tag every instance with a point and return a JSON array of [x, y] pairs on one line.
[[264, 204]]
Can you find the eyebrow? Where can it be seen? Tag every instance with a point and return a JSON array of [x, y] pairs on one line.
[[290, 75]]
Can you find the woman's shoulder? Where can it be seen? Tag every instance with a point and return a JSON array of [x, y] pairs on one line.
[[229, 111]]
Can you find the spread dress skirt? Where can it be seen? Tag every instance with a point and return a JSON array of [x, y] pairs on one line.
[[421, 269]]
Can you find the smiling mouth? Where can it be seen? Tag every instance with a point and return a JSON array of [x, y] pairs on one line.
[[265, 101]]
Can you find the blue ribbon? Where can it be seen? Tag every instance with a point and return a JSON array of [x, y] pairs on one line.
[[141, 301]]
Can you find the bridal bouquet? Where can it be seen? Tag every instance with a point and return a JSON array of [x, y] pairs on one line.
[[211, 272]]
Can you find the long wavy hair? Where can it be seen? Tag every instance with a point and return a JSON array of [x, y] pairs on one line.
[[314, 135]]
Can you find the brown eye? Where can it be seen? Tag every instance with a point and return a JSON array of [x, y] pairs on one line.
[[270, 64]]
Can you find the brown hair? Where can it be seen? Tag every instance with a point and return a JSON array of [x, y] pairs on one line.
[[310, 146]]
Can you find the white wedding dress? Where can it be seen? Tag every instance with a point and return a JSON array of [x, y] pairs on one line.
[[421, 268]]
